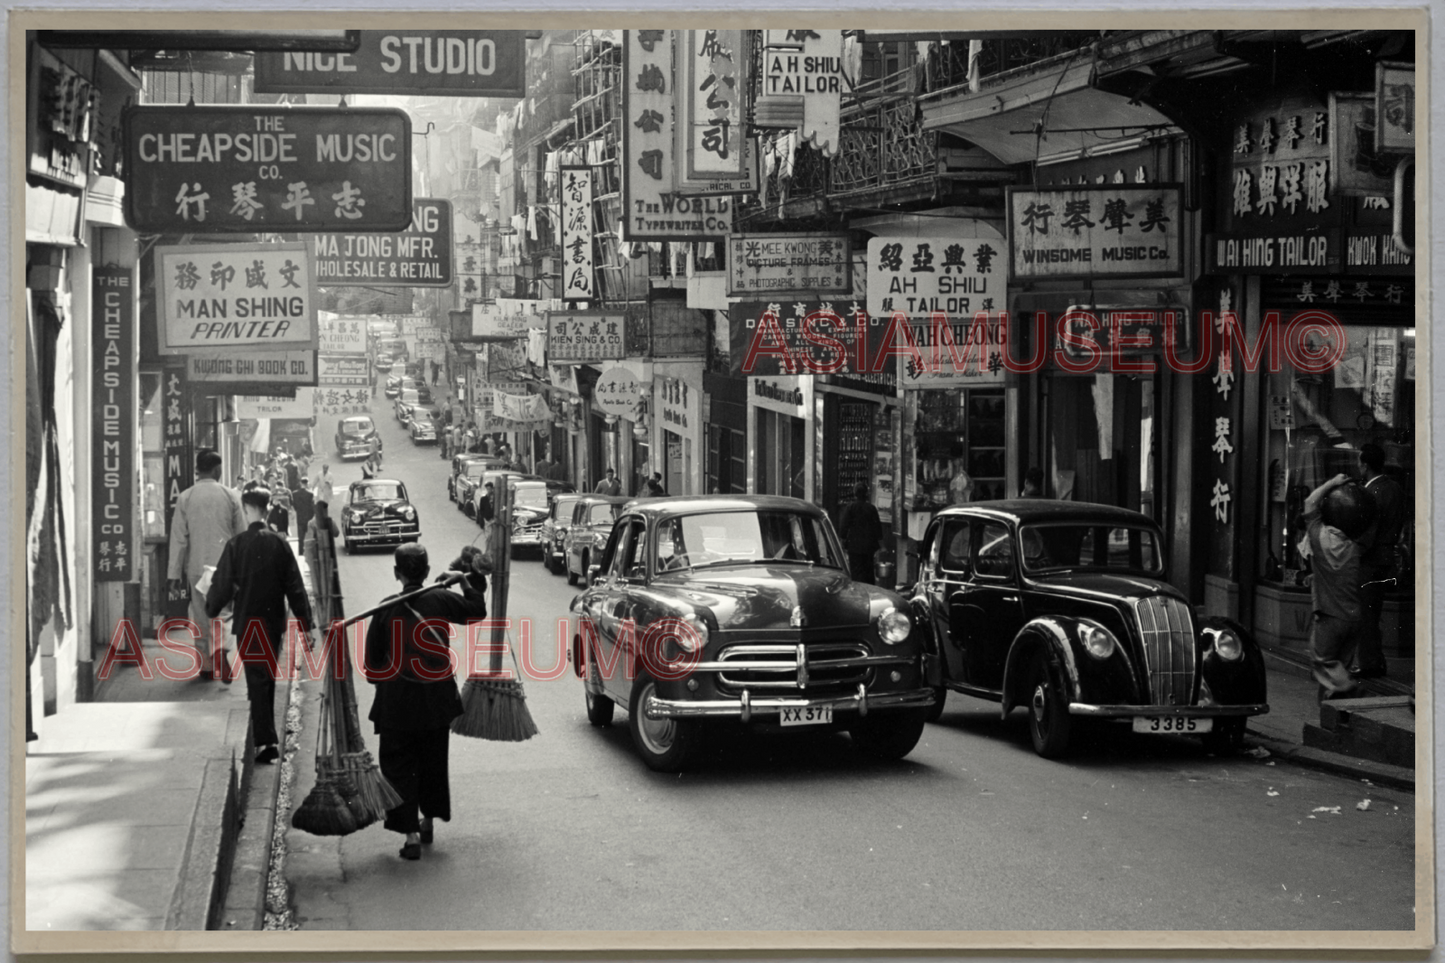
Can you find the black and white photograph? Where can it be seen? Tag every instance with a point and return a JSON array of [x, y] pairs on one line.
[[837, 481]]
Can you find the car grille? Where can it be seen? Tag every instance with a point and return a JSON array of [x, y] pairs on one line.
[[1167, 630], [822, 676]]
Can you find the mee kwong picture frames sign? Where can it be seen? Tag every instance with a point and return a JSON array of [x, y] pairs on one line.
[[913, 481]]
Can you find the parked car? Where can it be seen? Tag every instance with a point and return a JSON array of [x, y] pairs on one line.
[[423, 422], [495, 476], [757, 623], [553, 534], [404, 403], [592, 520], [354, 435], [383, 363], [531, 507], [378, 512], [469, 478], [396, 384], [1062, 608], [459, 463]]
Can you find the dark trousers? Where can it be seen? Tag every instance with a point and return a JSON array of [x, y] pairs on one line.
[[414, 761], [860, 564], [1369, 655], [261, 693], [1332, 643]]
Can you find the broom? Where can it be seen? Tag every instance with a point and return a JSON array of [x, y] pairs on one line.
[[494, 708], [325, 811]]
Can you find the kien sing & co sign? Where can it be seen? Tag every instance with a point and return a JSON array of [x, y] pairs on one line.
[[456, 63], [282, 169], [235, 296], [420, 256], [583, 336], [1118, 230]]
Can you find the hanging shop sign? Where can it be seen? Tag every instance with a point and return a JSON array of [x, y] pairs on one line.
[[507, 319], [425, 63], [179, 463], [233, 366], [1395, 107], [341, 333], [1114, 230], [258, 168], [1316, 252], [803, 83], [764, 265], [920, 276], [346, 370], [521, 409], [300, 405], [113, 442], [748, 183], [334, 401], [781, 393], [252, 296], [619, 392], [1359, 170], [504, 361], [585, 336], [1140, 332], [980, 345], [418, 257], [763, 335], [653, 206], [1280, 170], [711, 85], [678, 404], [578, 277]]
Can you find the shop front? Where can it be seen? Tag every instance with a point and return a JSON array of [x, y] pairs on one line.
[[676, 407], [780, 435]]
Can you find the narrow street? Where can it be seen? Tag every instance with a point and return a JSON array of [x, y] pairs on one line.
[[972, 831]]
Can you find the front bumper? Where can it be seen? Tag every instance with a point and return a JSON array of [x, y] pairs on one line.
[[1196, 712], [346, 454], [384, 536], [747, 707]]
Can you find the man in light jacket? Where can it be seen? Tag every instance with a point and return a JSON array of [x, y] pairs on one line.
[[207, 515]]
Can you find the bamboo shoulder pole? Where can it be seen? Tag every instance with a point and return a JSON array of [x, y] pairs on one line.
[[501, 547]]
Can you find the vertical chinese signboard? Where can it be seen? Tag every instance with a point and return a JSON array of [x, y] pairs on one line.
[[113, 394], [179, 466], [653, 209], [578, 278], [710, 135]]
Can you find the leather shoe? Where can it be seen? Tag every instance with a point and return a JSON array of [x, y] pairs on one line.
[[1377, 672], [267, 755], [206, 675], [410, 851], [426, 830]]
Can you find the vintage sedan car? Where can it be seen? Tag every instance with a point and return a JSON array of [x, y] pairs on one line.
[[405, 401], [1062, 608], [396, 384], [553, 533], [531, 507], [710, 610], [469, 482], [354, 435], [377, 512], [496, 477], [592, 520], [460, 463], [422, 423]]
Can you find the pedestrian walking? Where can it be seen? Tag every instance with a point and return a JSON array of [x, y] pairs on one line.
[[376, 449], [416, 698], [609, 485], [320, 521], [258, 572], [486, 510], [862, 533], [323, 485], [1380, 560], [278, 518], [303, 506], [1336, 514], [207, 516], [652, 488], [435, 373]]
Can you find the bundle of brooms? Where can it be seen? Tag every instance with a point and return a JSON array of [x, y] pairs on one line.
[[350, 791], [495, 707]]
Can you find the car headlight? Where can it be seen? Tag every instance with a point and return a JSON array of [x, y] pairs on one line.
[[695, 640], [894, 626], [1098, 641], [1228, 645], [408, 513]]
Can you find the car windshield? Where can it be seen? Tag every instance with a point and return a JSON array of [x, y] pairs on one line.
[[603, 512], [409, 398], [723, 538], [531, 496], [475, 469], [378, 491], [1080, 545], [360, 426], [562, 509]]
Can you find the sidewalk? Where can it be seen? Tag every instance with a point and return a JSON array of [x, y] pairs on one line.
[[134, 805]]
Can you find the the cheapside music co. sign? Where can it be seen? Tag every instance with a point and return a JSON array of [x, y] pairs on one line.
[[235, 296], [1120, 230], [459, 63], [256, 168], [113, 452], [420, 256]]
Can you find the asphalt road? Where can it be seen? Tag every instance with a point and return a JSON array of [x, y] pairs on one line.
[[972, 831]]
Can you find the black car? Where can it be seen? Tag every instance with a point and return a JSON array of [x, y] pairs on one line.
[[378, 512], [1062, 608], [553, 533], [354, 436], [720, 612], [532, 500], [468, 479]]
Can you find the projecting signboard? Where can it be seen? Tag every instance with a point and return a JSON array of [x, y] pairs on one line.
[[431, 63], [765, 265], [585, 336], [1118, 230], [919, 276], [256, 368], [250, 169], [420, 256], [235, 296]]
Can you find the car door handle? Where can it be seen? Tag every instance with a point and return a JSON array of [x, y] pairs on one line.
[[1009, 598]]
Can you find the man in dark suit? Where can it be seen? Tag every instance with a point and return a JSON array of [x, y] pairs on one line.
[[416, 691], [258, 571], [862, 532]]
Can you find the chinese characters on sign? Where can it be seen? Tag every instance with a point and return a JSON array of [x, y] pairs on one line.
[[785, 324], [277, 406], [113, 392], [179, 461], [578, 279], [584, 336], [803, 81], [1281, 164], [235, 295], [521, 409], [1223, 445], [332, 401], [508, 318], [789, 264], [619, 392], [922, 275], [420, 256], [344, 371], [1128, 230], [710, 77], [251, 169], [341, 334]]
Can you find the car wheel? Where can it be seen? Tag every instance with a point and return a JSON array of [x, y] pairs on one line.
[[889, 736], [1049, 720], [571, 575], [599, 707], [934, 712], [664, 744], [1226, 738]]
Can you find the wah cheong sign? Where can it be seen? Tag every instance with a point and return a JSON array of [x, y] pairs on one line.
[[1114, 230], [250, 169]]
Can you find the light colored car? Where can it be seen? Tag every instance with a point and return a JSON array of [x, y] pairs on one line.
[[592, 518], [554, 533], [404, 402]]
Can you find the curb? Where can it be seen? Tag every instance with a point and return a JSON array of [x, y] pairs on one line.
[[1377, 773]]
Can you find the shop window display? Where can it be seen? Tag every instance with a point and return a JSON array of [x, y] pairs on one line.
[[960, 446]]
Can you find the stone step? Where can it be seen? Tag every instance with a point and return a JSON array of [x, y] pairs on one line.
[[1379, 729]]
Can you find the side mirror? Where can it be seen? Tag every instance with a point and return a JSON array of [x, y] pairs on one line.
[[594, 572]]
